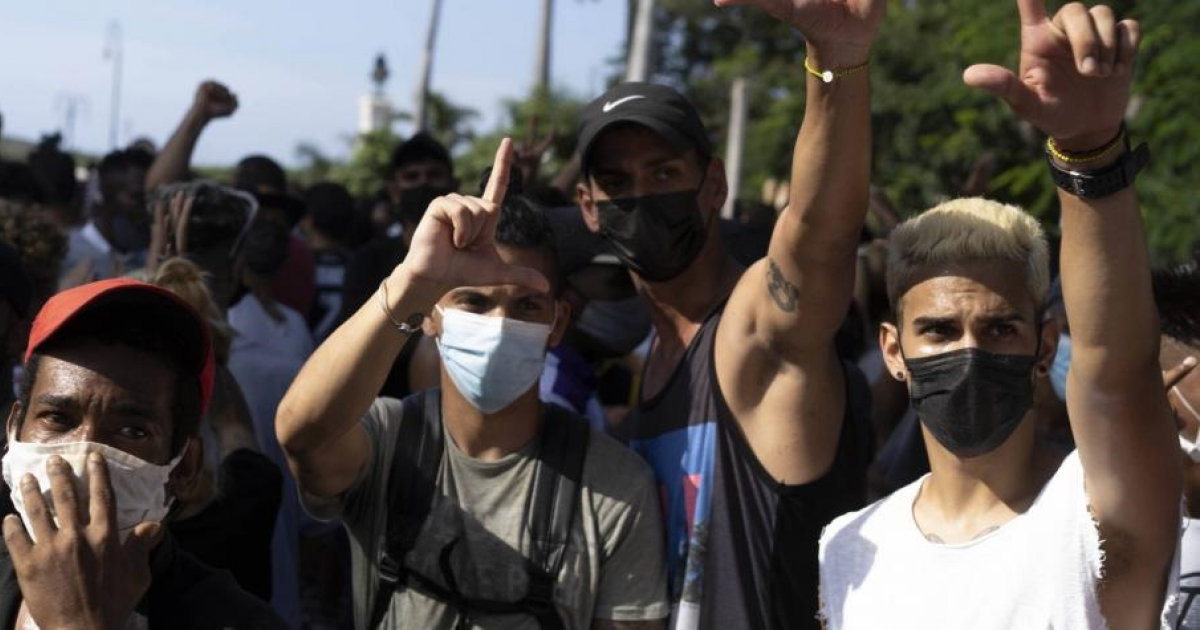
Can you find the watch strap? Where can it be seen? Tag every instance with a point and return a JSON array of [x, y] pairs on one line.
[[1102, 182]]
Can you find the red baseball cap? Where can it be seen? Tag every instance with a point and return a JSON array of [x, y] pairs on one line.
[[155, 305]]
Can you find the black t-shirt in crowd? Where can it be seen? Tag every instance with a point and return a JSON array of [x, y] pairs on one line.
[[326, 310], [741, 547], [234, 532], [366, 269], [184, 594]]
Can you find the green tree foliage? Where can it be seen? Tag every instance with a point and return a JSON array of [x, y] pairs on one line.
[[554, 109], [930, 129]]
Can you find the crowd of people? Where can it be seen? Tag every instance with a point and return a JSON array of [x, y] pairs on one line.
[[592, 402]]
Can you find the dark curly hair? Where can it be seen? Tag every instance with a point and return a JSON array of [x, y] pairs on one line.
[[41, 246]]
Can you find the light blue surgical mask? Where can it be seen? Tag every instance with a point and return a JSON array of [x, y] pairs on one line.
[[492, 361], [1058, 370]]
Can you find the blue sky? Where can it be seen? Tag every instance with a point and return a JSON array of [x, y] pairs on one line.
[[298, 67]]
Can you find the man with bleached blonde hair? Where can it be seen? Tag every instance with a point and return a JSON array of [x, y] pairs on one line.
[[1006, 531]]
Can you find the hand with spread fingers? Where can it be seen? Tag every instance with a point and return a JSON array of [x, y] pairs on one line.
[[1074, 76], [78, 574], [841, 31], [455, 243]]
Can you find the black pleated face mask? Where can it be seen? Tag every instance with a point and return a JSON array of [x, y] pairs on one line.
[[657, 236], [971, 400]]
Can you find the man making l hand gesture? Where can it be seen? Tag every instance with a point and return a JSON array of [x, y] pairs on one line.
[[448, 525], [1006, 531]]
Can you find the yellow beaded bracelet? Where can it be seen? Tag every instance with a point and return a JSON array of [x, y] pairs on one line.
[[1089, 156], [829, 75]]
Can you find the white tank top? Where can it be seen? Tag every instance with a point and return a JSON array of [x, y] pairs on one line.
[[1039, 570]]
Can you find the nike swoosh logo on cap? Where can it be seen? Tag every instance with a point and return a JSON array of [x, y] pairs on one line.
[[611, 105]]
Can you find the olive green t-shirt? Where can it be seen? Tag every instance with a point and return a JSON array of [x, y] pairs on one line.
[[613, 569]]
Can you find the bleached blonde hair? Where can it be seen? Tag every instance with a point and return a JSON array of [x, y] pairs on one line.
[[968, 230]]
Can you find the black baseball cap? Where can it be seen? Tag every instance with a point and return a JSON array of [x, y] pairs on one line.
[[664, 110]]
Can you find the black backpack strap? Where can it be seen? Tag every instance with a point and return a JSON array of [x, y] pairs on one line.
[[551, 508], [412, 484]]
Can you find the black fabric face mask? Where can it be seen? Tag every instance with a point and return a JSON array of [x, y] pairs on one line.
[[414, 202], [971, 400], [657, 236]]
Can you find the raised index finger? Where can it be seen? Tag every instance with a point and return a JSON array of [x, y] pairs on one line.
[[1032, 12], [498, 183]]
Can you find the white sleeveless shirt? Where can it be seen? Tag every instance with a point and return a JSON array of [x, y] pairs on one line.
[[1039, 570]]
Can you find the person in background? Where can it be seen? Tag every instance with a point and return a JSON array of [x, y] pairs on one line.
[[1177, 295], [1005, 530], [16, 294], [257, 175], [328, 219], [227, 516], [118, 375], [263, 177], [54, 170], [271, 342], [114, 239], [205, 223], [420, 171]]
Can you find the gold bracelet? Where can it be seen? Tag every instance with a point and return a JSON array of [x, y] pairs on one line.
[[829, 75], [1087, 156]]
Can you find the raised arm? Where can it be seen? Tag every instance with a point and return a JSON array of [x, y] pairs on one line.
[[318, 419], [1073, 85], [213, 101], [785, 386]]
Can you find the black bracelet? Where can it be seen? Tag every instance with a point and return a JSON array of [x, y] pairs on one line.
[[1103, 182]]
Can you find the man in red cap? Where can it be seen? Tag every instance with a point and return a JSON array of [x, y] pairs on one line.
[[118, 374]]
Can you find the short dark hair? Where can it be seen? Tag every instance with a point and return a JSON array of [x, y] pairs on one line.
[[523, 225], [54, 170], [332, 209], [143, 332], [259, 173], [420, 146], [1177, 295], [122, 160]]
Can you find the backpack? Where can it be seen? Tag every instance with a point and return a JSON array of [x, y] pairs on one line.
[[550, 511]]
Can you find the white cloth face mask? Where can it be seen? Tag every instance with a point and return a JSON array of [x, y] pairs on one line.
[[492, 360], [1191, 448], [139, 487]]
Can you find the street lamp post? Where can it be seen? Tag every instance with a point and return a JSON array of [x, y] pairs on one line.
[[114, 51]]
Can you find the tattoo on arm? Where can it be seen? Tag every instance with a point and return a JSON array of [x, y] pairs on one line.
[[784, 293]]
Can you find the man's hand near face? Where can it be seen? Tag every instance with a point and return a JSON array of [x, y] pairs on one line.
[[78, 574]]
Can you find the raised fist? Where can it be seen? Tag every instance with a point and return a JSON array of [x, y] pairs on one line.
[[214, 100]]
